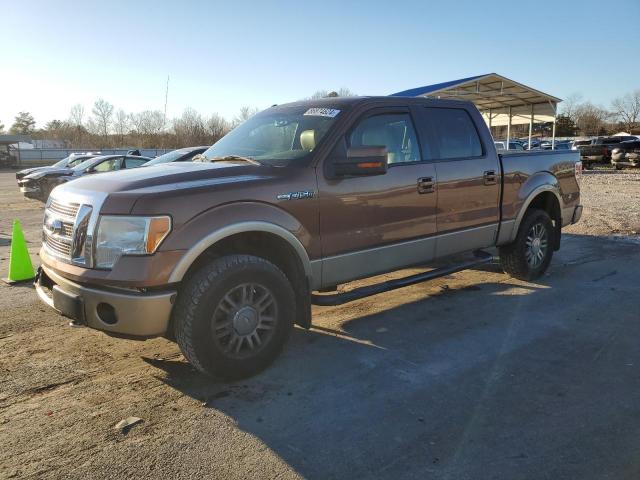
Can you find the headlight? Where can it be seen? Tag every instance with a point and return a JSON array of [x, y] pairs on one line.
[[120, 235]]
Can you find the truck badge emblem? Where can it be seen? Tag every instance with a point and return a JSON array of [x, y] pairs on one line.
[[295, 195]]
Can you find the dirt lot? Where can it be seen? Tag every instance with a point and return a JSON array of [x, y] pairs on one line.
[[473, 376]]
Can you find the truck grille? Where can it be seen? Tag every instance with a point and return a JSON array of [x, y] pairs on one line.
[[58, 246], [61, 220], [68, 210]]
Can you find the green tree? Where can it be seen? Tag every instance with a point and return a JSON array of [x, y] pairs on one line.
[[565, 126], [24, 124], [1, 128]]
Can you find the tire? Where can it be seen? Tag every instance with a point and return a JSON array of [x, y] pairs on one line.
[[224, 306], [516, 258], [618, 167]]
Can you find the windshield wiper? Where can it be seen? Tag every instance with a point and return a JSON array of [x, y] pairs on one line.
[[226, 158]]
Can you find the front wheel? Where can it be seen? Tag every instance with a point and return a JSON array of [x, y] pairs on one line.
[[529, 256], [233, 316]]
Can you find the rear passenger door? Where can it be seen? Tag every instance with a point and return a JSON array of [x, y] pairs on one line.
[[468, 174]]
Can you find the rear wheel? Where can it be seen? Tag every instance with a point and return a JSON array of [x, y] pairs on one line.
[[530, 254], [233, 317]]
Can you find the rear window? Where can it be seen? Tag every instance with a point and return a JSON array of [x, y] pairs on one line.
[[455, 133]]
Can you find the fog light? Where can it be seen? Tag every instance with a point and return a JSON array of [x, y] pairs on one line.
[[107, 313]]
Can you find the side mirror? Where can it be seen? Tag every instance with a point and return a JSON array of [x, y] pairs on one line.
[[361, 161]]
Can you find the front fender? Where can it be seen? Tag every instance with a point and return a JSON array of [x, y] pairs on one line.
[[210, 227]]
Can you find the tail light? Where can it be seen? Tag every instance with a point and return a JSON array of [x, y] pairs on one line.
[[604, 151], [578, 172]]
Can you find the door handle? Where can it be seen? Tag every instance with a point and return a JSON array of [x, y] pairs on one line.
[[490, 177], [425, 185]]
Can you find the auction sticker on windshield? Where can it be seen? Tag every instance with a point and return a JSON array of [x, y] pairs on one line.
[[322, 112]]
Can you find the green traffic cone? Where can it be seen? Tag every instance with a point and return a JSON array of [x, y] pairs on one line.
[[20, 267]]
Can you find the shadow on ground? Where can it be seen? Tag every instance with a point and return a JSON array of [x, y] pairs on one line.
[[491, 380]]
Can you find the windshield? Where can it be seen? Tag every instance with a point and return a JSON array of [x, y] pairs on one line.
[[168, 157], [62, 163], [276, 136]]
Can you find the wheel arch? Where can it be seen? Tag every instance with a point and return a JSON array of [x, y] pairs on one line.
[[544, 197], [246, 227], [263, 239]]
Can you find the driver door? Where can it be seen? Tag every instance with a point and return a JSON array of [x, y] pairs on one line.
[[375, 224]]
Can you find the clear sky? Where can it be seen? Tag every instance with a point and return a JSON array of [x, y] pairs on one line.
[[223, 55]]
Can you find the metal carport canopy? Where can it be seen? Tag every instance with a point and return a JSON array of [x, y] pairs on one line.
[[497, 98]]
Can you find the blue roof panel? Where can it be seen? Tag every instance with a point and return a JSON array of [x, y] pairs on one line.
[[416, 92]]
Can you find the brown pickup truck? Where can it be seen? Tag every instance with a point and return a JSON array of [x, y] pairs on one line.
[[227, 253]]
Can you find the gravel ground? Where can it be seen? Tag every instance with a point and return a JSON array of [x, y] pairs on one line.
[[470, 376], [611, 202]]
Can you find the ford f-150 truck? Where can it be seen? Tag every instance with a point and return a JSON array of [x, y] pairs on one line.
[[227, 253]]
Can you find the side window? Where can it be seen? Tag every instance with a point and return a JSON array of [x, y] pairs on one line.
[[455, 133], [108, 165], [394, 131], [134, 162]]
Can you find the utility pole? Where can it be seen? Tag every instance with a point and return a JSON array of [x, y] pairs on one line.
[[166, 98]]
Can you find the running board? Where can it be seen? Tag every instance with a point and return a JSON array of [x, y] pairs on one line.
[[369, 290]]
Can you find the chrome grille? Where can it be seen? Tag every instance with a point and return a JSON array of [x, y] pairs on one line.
[[58, 230], [68, 210], [67, 229], [58, 246]]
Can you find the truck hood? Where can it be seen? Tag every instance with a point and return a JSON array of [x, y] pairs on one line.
[[121, 189]]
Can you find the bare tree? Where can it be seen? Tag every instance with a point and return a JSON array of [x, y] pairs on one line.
[[590, 119], [570, 106], [189, 128], [121, 125], [102, 113], [245, 114], [76, 115], [342, 92], [217, 127], [627, 109]]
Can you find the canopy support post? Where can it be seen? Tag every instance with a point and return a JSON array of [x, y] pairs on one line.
[[553, 134], [508, 131], [530, 128]]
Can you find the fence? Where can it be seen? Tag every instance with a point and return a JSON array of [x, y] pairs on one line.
[[26, 157]]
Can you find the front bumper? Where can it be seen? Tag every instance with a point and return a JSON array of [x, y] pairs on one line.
[[30, 191], [117, 311], [627, 162]]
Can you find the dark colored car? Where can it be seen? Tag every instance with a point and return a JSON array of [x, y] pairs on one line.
[[600, 149], [38, 185], [67, 162], [627, 154], [180, 155]]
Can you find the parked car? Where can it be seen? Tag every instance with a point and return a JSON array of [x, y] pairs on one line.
[[38, 185], [501, 145], [180, 155], [599, 149], [535, 144], [626, 154], [227, 253], [67, 162]]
